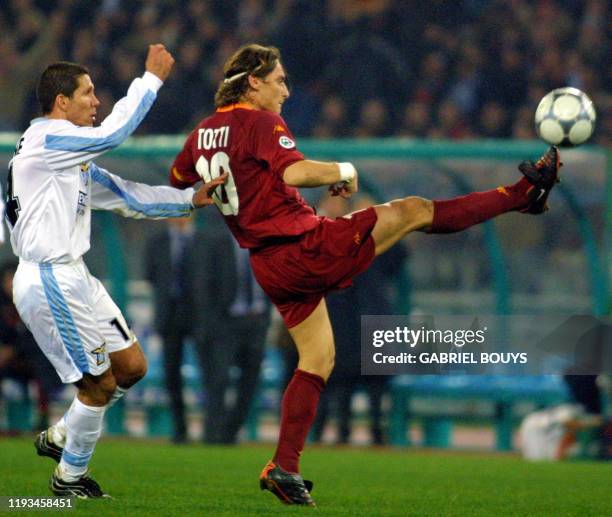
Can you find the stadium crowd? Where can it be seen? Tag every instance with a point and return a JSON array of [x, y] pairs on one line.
[[358, 68]]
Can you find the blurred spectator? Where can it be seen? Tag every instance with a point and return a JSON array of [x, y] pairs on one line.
[[466, 88], [506, 79], [230, 332], [21, 56], [603, 130], [433, 77], [363, 67], [523, 125], [252, 20], [20, 358], [450, 123], [185, 82], [171, 262], [469, 53], [373, 120], [185, 267], [493, 121], [333, 121], [416, 120]]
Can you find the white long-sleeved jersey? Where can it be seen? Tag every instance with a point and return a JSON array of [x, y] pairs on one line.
[[53, 183]]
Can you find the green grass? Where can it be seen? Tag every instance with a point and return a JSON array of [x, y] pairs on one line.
[[155, 479]]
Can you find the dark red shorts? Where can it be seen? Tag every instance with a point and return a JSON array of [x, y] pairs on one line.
[[296, 275]]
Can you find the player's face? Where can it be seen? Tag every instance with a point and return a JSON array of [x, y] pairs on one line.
[[272, 90], [82, 106]]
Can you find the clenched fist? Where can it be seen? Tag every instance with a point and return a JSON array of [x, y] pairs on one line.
[[159, 61]]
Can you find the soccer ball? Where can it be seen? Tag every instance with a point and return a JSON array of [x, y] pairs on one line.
[[565, 117]]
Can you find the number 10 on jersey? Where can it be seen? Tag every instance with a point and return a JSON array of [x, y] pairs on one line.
[[227, 202]]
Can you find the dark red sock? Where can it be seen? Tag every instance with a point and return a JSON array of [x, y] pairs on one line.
[[298, 411], [454, 215]]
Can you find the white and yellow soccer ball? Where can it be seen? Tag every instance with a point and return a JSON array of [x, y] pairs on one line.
[[565, 117]]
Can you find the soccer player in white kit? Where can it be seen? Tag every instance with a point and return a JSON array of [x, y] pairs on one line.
[[52, 187]]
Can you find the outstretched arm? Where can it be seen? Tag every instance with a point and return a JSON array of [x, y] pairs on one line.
[[138, 200], [342, 177]]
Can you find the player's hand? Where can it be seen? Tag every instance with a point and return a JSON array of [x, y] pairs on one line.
[[345, 189], [203, 196], [159, 61]]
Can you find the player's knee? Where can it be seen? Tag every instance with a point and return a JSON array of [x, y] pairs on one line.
[[415, 211], [134, 372], [129, 366], [320, 364], [97, 391]]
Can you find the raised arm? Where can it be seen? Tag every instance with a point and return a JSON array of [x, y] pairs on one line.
[[342, 177], [68, 145]]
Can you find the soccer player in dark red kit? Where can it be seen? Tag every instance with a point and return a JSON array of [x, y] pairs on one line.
[[297, 256]]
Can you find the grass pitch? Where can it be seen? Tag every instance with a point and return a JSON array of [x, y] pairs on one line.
[[155, 478]]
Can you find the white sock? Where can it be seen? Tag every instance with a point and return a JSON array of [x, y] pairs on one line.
[[57, 432], [83, 428], [117, 394]]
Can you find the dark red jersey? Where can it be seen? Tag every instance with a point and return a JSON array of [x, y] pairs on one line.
[[254, 147]]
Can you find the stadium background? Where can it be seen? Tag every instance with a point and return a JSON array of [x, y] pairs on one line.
[[428, 98]]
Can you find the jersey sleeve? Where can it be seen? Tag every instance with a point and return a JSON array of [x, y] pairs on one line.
[[272, 142], [183, 173], [137, 200], [68, 145]]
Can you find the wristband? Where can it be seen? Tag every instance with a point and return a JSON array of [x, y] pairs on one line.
[[347, 171]]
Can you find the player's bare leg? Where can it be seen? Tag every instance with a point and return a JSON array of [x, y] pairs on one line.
[[402, 216], [398, 218], [129, 366], [96, 390], [314, 340]]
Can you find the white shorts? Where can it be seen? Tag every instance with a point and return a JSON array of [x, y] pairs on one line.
[[72, 317]]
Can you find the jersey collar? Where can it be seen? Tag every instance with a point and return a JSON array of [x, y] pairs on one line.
[[232, 107]]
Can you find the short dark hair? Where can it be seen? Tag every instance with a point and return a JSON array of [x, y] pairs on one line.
[[248, 60], [61, 77]]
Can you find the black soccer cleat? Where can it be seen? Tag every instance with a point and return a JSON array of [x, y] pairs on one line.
[[289, 488], [45, 447], [543, 175], [82, 488]]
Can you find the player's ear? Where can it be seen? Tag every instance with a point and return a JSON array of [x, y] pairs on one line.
[[254, 82], [61, 102]]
